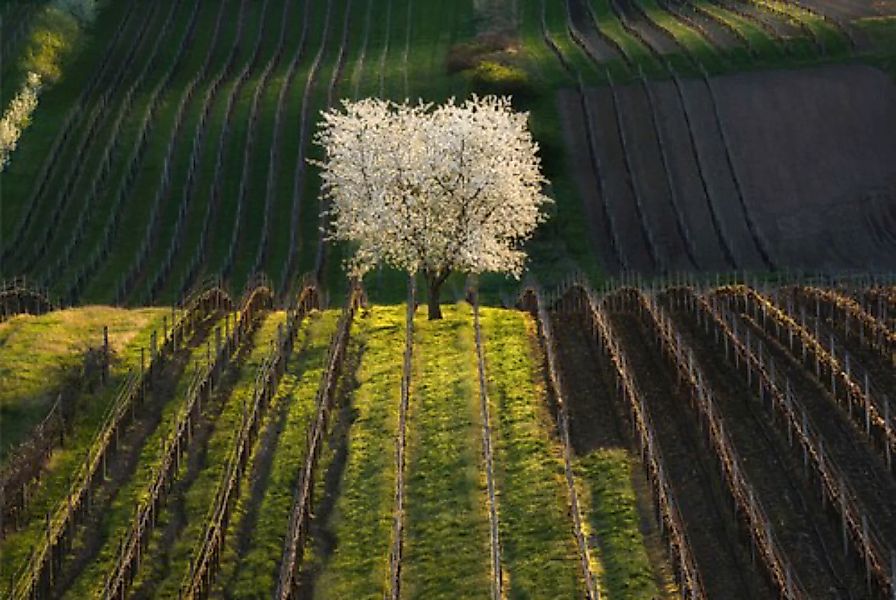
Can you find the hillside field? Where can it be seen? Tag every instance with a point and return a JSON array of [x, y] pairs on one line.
[[690, 393]]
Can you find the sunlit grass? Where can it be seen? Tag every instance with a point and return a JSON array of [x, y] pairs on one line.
[[362, 520], [41, 354], [249, 568], [117, 515], [540, 554], [447, 520], [163, 578]]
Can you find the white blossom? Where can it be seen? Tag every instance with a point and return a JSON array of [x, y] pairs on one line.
[[437, 189], [17, 117]]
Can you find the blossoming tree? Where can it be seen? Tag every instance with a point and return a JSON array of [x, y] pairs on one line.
[[432, 189]]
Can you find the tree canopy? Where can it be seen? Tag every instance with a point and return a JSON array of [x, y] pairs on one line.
[[432, 189]]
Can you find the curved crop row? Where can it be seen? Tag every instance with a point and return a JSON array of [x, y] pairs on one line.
[[198, 148]]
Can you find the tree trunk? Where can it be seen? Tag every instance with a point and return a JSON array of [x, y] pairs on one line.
[[435, 309]]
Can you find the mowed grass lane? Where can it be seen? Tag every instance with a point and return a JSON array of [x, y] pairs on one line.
[[212, 45], [143, 202], [243, 127], [539, 551], [21, 175], [446, 551], [81, 151], [361, 522], [56, 480], [110, 215], [281, 207], [253, 547]]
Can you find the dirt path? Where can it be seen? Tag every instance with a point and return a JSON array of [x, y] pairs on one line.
[[810, 540], [722, 556]]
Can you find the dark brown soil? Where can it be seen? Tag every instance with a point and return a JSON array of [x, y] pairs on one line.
[[721, 553], [587, 182], [807, 536], [811, 149], [719, 177], [685, 172], [818, 162], [596, 418], [862, 467], [649, 177], [863, 358], [618, 182]]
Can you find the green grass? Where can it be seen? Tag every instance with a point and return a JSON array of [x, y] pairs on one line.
[[40, 354], [251, 571], [882, 31], [698, 48], [831, 39], [20, 177], [362, 520], [55, 483], [605, 478], [540, 554], [446, 519], [631, 46], [118, 511], [163, 577], [184, 149]]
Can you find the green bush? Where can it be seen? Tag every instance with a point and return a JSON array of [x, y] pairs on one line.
[[490, 77]]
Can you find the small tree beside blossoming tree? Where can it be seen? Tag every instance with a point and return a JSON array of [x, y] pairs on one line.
[[431, 189]]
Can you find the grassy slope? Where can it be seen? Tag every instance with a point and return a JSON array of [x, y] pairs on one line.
[[243, 129], [446, 518], [119, 513], [133, 215], [37, 354], [164, 580], [362, 519], [249, 567], [52, 109], [540, 554], [55, 484]]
